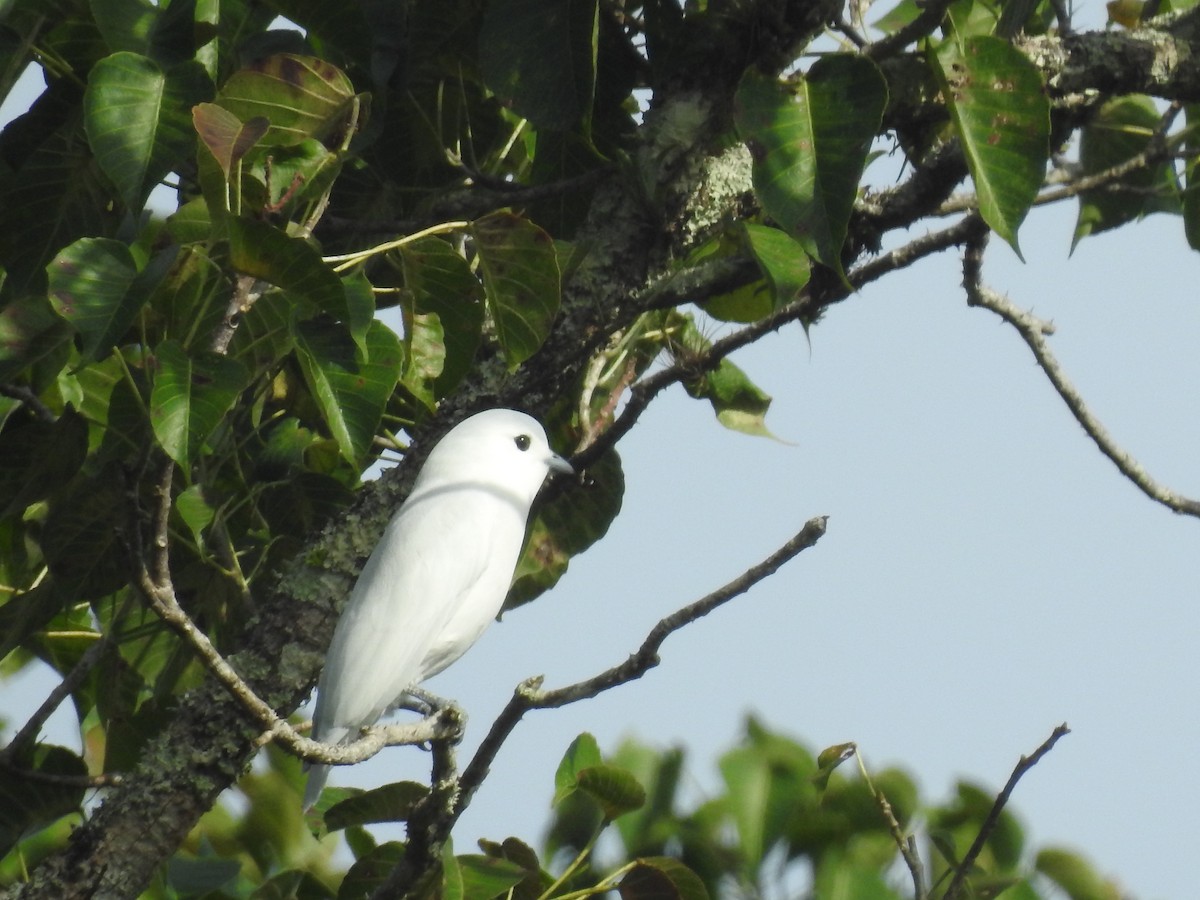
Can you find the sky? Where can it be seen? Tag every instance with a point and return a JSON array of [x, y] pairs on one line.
[[986, 574]]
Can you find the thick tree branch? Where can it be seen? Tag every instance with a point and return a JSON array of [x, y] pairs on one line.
[[1159, 58]]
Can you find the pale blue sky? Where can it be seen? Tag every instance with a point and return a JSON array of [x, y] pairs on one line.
[[986, 575]]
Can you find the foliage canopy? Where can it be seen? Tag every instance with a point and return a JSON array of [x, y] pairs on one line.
[[206, 209]]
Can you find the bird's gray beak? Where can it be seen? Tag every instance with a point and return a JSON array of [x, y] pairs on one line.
[[558, 464]]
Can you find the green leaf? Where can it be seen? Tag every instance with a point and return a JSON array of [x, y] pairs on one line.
[[843, 878], [348, 26], [293, 884], [39, 458], [485, 877], [739, 404], [350, 390], [193, 297], [441, 283], [260, 250], [1000, 111], [809, 144], [29, 331], [60, 195], [748, 779], [89, 284], [660, 771], [80, 540], [200, 876], [28, 804], [301, 96], [1120, 129], [25, 613], [265, 335], [514, 850], [425, 354], [784, 263], [583, 753], [564, 527], [541, 56], [370, 871], [191, 394], [226, 136], [520, 280], [360, 308], [137, 120], [661, 878], [390, 803], [829, 759], [782, 260], [1073, 874], [124, 24], [166, 33], [582, 768], [195, 511], [1191, 169], [452, 878], [616, 790]]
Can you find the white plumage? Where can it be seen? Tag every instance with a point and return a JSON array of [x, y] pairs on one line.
[[438, 576]]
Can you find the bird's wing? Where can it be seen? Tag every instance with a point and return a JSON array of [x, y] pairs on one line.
[[434, 561]]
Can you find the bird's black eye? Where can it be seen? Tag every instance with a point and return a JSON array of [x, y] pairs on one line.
[[522, 441]]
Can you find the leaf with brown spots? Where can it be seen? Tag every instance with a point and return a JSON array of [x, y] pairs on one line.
[[999, 108]]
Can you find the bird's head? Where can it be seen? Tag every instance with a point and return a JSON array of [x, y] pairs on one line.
[[501, 449]]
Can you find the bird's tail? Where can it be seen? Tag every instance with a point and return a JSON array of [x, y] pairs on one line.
[[317, 775]]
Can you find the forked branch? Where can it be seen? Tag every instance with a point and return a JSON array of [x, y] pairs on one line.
[[430, 824]]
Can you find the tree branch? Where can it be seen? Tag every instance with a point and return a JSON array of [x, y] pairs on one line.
[[433, 822], [1157, 58], [160, 594], [807, 306], [906, 844], [31, 401], [926, 21], [1033, 331], [29, 731], [959, 881]]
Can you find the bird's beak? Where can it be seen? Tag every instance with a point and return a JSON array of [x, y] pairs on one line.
[[558, 464]]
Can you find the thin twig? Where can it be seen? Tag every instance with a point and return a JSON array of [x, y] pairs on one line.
[[927, 20], [472, 202], [529, 694], [646, 656], [435, 824], [104, 779], [1033, 331], [31, 401], [958, 882], [33, 726], [444, 723], [906, 844], [801, 309]]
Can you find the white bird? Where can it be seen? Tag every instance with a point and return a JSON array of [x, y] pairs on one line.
[[438, 576]]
